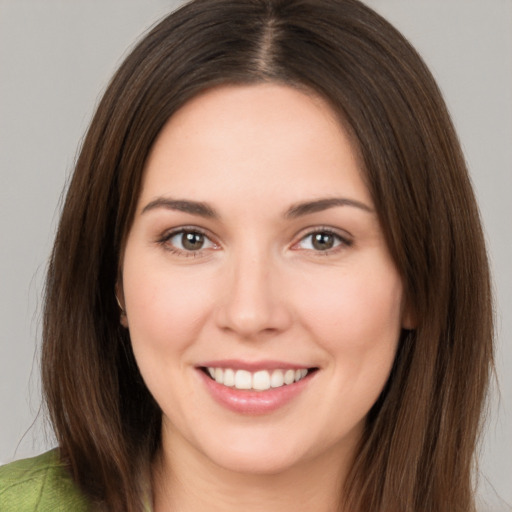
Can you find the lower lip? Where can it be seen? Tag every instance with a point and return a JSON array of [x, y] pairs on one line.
[[254, 402]]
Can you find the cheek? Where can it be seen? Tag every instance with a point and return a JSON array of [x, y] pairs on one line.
[[165, 309], [357, 324], [355, 311]]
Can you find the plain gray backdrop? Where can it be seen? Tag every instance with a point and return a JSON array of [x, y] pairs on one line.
[[56, 56]]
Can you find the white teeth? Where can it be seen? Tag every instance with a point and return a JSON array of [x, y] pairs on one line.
[[277, 379], [243, 379], [257, 381], [261, 380], [229, 377], [289, 376]]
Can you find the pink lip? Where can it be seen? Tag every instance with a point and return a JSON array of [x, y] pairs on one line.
[[254, 402]]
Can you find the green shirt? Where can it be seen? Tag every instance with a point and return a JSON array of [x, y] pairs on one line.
[[39, 484], [42, 484]]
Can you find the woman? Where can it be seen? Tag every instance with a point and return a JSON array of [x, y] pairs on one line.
[[269, 286]]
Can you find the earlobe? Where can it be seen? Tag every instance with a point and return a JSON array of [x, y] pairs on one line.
[[123, 319], [409, 317]]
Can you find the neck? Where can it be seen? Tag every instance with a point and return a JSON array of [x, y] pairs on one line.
[[186, 481]]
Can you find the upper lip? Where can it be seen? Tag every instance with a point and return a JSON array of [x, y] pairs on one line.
[[253, 366]]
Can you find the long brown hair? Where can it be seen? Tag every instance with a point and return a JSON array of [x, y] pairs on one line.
[[416, 453]]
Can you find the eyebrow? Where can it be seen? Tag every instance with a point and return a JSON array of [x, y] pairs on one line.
[[182, 205], [309, 207], [297, 210]]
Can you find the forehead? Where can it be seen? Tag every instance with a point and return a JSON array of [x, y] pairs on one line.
[[245, 141]]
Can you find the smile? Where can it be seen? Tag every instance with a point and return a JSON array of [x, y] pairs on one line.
[[255, 388], [260, 380]]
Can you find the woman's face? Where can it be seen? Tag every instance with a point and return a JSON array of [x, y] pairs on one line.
[[256, 256]]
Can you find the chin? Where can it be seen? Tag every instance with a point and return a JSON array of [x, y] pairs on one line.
[[272, 453], [262, 463]]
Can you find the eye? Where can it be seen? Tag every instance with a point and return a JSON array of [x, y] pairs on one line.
[[322, 241], [188, 241]]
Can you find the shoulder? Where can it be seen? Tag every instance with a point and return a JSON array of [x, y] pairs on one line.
[[39, 484]]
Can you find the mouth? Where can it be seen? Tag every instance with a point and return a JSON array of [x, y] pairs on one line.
[[255, 388], [260, 380]]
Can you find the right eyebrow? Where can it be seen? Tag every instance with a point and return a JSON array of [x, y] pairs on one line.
[[182, 205]]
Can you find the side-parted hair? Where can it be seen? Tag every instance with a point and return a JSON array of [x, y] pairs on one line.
[[417, 450]]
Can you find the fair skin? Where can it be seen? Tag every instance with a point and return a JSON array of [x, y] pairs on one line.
[[255, 248]]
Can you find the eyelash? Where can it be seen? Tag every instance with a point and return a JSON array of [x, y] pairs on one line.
[[342, 241]]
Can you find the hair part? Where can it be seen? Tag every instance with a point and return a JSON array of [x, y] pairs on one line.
[[417, 449]]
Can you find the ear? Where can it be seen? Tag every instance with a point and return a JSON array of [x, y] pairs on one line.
[[119, 293], [409, 316]]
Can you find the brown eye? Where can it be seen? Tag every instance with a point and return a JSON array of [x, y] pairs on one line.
[[189, 241], [323, 241], [192, 241]]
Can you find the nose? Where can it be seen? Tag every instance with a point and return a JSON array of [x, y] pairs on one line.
[[253, 302]]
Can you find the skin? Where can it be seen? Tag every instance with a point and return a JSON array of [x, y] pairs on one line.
[[259, 289]]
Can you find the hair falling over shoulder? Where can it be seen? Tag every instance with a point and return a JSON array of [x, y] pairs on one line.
[[417, 452]]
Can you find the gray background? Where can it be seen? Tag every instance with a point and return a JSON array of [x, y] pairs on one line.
[[55, 59]]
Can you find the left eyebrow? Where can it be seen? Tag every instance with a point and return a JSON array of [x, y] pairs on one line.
[[306, 208]]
